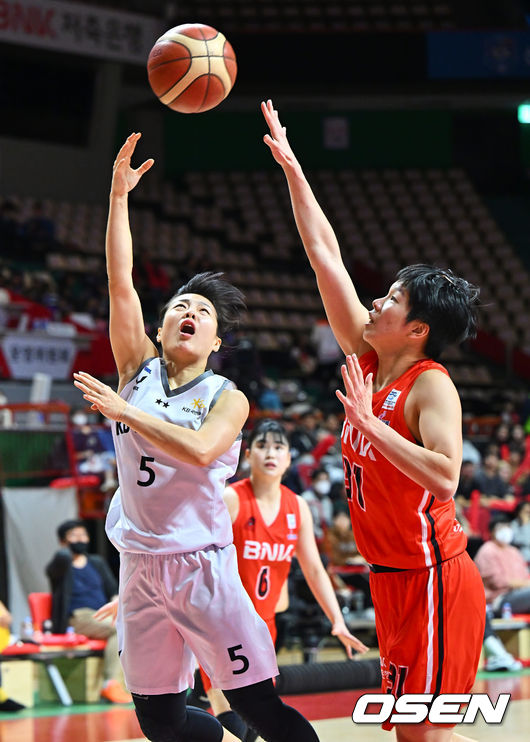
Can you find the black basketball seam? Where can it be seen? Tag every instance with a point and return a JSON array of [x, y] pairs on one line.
[[191, 58], [209, 70]]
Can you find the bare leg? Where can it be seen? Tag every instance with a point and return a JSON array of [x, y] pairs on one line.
[[218, 701]]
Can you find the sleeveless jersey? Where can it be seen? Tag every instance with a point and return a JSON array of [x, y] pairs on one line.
[[396, 522], [264, 553], [163, 505]]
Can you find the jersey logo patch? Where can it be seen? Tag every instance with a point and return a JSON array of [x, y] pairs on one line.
[[291, 521], [390, 401], [198, 404], [265, 550], [251, 522]]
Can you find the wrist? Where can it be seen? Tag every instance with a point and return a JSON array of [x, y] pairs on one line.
[[118, 197], [124, 413]]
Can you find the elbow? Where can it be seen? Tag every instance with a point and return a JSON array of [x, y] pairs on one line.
[[445, 489], [202, 456]]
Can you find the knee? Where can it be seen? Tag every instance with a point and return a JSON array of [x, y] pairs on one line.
[[155, 721]]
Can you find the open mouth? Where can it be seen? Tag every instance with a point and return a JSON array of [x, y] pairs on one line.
[[187, 328]]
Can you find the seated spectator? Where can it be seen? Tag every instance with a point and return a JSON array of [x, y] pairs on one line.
[[81, 583], [467, 483], [39, 231], [6, 703], [521, 529], [341, 550], [319, 501], [489, 482], [470, 452], [497, 656], [92, 450], [503, 570], [304, 437]]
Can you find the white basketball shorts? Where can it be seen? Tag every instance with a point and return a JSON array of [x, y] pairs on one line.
[[174, 608]]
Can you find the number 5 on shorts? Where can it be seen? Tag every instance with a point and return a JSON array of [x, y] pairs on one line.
[[238, 657]]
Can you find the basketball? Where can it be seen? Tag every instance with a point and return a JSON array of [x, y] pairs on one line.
[[191, 68]]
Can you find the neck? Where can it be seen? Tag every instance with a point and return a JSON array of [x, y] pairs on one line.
[[391, 365], [178, 375], [266, 489], [79, 560]]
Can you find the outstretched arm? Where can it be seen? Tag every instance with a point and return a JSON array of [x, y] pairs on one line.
[[346, 315], [215, 436], [319, 583], [130, 344]]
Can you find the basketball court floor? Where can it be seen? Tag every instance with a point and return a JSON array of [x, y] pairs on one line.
[[329, 712]]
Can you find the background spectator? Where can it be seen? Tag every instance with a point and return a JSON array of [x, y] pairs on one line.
[[503, 570], [81, 583]]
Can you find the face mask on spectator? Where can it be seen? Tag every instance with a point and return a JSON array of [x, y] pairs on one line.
[[322, 487], [504, 535], [78, 547], [79, 418]]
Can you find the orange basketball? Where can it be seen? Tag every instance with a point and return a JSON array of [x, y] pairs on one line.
[[191, 68]]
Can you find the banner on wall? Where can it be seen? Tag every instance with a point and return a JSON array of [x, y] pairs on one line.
[[79, 29], [26, 354]]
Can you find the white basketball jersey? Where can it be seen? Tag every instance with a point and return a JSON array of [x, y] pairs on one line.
[[163, 505]]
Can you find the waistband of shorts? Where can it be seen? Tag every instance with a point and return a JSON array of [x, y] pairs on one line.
[[378, 568]]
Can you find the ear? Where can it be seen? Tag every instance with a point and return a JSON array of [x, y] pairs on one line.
[[420, 330], [247, 454], [217, 344], [158, 332]]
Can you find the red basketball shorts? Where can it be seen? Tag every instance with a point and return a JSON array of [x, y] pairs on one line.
[[430, 627]]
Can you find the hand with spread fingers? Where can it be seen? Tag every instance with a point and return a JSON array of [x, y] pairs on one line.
[[124, 177], [277, 139], [101, 396], [358, 399]]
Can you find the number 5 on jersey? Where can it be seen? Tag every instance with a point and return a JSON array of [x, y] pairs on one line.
[[144, 461]]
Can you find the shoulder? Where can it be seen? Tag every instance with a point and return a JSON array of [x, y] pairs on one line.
[[433, 384], [231, 398]]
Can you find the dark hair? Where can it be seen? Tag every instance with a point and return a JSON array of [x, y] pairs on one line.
[[443, 301], [63, 529], [268, 426], [228, 300], [497, 520], [317, 472]]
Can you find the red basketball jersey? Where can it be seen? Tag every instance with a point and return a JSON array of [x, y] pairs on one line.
[[264, 553], [396, 522]]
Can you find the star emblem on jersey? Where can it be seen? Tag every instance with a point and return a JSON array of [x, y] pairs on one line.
[[158, 401], [197, 404], [166, 404]]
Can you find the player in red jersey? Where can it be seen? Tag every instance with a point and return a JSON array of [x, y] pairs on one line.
[[271, 524], [402, 450]]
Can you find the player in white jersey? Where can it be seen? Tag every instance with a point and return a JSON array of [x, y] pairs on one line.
[[177, 434]]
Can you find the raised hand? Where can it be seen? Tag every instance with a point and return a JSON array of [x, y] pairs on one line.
[[277, 139], [358, 399], [124, 177], [101, 396]]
